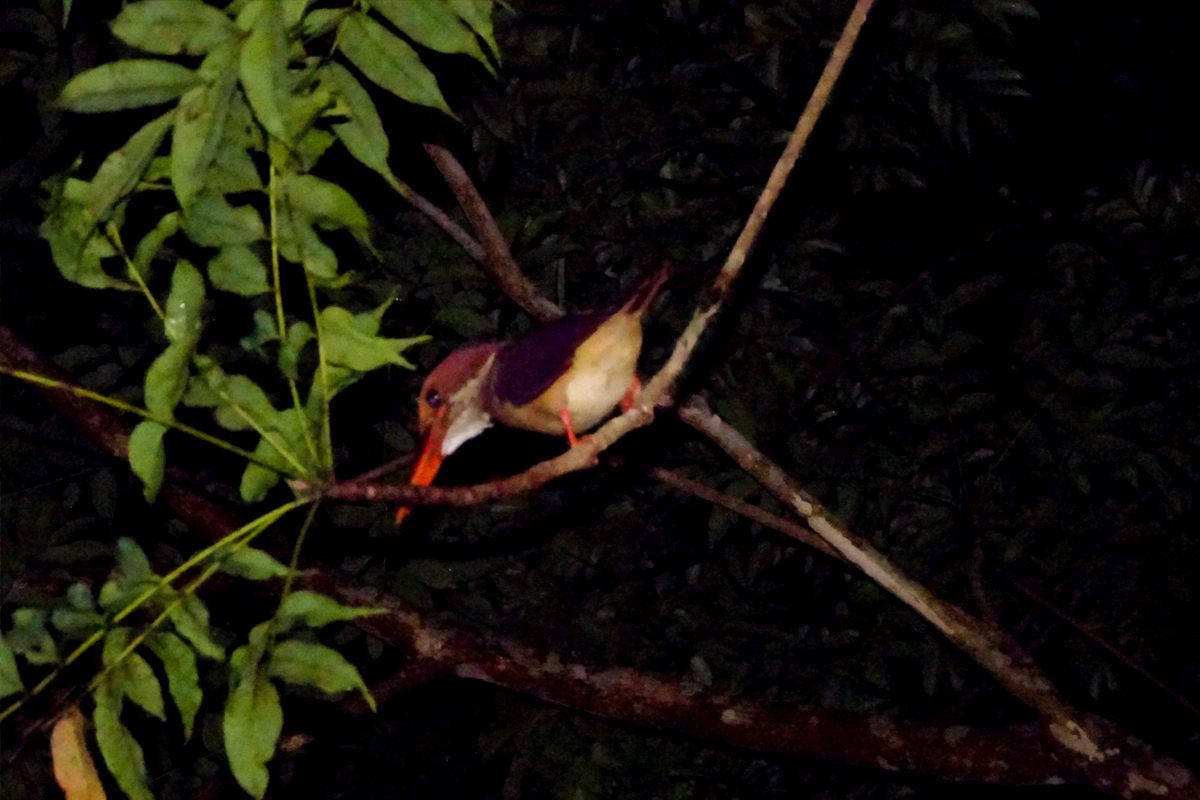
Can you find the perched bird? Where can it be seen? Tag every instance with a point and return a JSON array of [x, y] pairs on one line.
[[562, 378]]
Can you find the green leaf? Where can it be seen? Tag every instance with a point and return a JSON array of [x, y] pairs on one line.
[[30, 638], [243, 404], [253, 564], [179, 663], [321, 21], [290, 431], [118, 176], [173, 27], [363, 133], [131, 83], [298, 334], [324, 203], [350, 340], [131, 675], [258, 480], [233, 170], [389, 61], [433, 24], [265, 331], [75, 245], [478, 14], [153, 241], [263, 65], [213, 222], [185, 305], [191, 622], [166, 380], [10, 678], [316, 611], [252, 724], [299, 243], [122, 753], [311, 664], [132, 565], [147, 458], [75, 623], [238, 269], [200, 128]]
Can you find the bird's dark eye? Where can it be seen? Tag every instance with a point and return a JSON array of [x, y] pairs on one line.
[[433, 398]]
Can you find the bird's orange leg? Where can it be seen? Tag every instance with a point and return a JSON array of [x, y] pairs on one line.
[[569, 427], [630, 396]]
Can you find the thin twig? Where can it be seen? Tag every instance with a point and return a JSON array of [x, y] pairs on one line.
[[748, 510], [1024, 588], [498, 261]]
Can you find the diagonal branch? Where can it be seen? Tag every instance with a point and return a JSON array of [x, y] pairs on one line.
[[498, 260]]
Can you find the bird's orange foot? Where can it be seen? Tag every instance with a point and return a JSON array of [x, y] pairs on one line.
[[631, 396], [569, 427]]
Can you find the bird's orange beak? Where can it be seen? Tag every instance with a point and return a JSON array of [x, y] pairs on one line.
[[430, 462]]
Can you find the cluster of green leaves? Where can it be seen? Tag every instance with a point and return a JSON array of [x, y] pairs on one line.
[[279, 649], [258, 100], [256, 93]]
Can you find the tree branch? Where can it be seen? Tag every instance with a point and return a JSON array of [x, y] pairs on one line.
[[1097, 742], [498, 261], [1019, 755]]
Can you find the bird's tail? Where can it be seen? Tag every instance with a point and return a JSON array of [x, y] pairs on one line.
[[646, 290]]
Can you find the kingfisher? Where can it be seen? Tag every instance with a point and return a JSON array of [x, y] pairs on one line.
[[562, 378]]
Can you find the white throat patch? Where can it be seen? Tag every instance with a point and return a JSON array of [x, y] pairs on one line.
[[468, 417]]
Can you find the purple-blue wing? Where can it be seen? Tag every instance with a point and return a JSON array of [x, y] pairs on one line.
[[530, 364]]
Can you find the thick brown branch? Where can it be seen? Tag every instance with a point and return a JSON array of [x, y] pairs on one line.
[[1020, 755], [110, 433], [498, 261]]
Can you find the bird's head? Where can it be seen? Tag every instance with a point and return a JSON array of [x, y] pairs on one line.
[[451, 408]]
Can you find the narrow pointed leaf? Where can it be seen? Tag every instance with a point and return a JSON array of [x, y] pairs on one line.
[[183, 683], [10, 678], [389, 61], [316, 610], [124, 167], [131, 83], [212, 222], [173, 27], [252, 724], [132, 676], [238, 269], [147, 458], [311, 664], [350, 340], [184, 306], [263, 65], [166, 380], [200, 130], [478, 14], [191, 622], [253, 564], [122, 753], [324, 203], [432, 23], [30, 638], [362, 133]]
